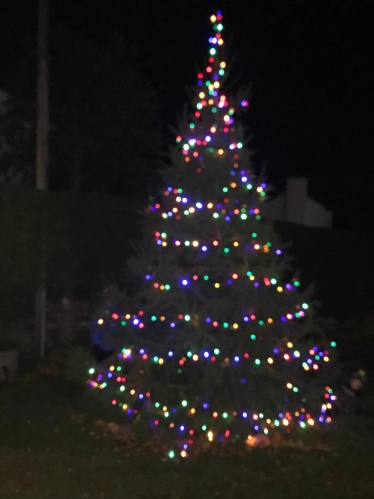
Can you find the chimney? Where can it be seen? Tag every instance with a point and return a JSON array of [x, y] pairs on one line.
[[296, 202]]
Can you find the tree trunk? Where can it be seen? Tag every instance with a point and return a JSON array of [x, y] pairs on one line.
[[42, 158]]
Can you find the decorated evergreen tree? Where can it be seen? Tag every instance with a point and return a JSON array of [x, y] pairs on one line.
[[220, 344]]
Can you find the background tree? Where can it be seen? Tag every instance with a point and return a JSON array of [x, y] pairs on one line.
[[222, 341], [104, 135], [17, 141]]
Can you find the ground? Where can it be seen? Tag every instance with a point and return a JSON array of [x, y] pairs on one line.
[[51, 448]]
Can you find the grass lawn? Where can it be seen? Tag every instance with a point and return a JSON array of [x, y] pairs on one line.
[[46, 451]]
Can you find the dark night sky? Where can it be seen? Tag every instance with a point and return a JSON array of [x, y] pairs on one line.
[[310, 65]]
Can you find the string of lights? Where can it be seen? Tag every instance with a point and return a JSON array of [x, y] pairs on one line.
[[221, 332]]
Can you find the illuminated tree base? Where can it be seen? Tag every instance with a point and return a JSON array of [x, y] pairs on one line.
[[189, 422]]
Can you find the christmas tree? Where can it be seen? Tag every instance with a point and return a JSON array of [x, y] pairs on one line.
[[221, 343]]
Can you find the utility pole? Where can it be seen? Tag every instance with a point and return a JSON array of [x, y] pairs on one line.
[[42, 160]]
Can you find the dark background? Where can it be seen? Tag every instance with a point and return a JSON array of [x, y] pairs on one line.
[[310, 65]]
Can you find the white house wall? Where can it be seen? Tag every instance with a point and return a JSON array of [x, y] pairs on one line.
[[297, 207]]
